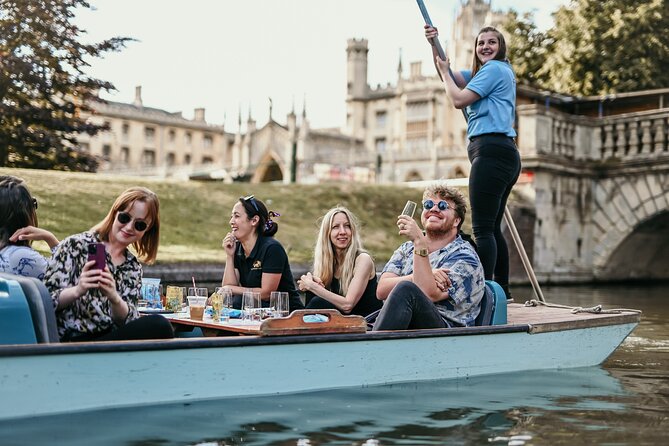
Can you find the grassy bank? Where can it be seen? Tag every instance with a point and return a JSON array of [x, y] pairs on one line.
[[194, 215]]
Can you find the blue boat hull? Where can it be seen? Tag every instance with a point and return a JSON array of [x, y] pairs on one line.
[[57, 378]]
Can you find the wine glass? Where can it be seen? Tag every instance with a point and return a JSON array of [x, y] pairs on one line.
[[250, 304]]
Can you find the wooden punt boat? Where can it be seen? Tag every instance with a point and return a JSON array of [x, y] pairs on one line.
[[46, 379]]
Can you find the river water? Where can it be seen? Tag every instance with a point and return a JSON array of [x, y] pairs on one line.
[[623, 402]]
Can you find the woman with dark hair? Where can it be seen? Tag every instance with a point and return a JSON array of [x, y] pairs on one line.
[[101, 304], [254, 259], [487, 92], [344, 276], [19, 228]]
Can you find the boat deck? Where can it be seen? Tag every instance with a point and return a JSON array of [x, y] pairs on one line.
[[542, 318]]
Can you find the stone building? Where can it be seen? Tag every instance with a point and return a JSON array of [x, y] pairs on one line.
[[145, 140], [401, 132]]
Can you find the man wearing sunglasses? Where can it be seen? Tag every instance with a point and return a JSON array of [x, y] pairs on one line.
[[435, 279]]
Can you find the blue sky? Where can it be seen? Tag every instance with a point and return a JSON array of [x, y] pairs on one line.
[[225, 54]]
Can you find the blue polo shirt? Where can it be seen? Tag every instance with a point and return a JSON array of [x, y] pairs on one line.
[[495, 112]]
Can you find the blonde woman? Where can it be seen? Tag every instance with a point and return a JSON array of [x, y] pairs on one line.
[[344, 277]]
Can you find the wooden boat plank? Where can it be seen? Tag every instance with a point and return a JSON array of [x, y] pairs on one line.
[[544, 319]]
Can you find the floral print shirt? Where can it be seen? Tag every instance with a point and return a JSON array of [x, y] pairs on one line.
[[466, 274], [91, 313], [22, 261]]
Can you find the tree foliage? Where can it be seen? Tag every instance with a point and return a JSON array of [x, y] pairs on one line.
[[43, 84], [598, 47], [526, 47]]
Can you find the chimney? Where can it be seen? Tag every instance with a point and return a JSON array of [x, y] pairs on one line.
[[138, 96], [199, 115]]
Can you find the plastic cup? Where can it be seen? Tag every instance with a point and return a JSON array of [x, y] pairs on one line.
[[173, 298], [196, 305]]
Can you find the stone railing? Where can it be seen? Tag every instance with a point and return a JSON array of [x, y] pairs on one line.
[[634, 136], [641, 136]]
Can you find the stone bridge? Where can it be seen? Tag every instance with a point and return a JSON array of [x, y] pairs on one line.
[[601, 189]]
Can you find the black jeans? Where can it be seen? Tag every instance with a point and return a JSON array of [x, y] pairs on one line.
[[408, 308], [495, 169]]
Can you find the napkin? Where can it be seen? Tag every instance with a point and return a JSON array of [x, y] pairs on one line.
[[315, 318]]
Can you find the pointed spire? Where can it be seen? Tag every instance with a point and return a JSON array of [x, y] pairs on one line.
[[399, 66], [304, 106], [270, 108], [250, 117], [239, 119], [293, 107]]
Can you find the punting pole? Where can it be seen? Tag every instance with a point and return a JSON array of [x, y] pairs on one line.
[[508, 219]]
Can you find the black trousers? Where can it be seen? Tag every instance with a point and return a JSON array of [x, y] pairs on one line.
[[495, 169], [153, 326], [408, 308]]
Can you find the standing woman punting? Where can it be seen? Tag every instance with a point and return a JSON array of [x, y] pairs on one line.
[[487, 92]]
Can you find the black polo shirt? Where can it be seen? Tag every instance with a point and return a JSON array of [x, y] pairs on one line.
[[267, 256]]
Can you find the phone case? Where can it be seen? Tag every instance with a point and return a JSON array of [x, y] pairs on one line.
[[97, 252]]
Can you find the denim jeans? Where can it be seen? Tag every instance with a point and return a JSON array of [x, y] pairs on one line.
[[495, 169], [408, 308]]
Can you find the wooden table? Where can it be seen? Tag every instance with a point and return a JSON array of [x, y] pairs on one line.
[[294, 324], [181, 322]]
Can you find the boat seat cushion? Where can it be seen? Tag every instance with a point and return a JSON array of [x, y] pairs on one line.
[[15, 321], [41, 307], [493, 305]]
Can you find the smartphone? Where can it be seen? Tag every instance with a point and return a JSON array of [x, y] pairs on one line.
[[97, 252], [409, 208]]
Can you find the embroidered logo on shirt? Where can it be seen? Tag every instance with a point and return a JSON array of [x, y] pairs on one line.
[[257, 264]]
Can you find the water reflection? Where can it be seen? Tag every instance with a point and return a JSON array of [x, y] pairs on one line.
[[470, 411]]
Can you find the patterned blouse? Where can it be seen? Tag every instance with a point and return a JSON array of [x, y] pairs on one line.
[[466, 274], [91, 313], [22, 261]]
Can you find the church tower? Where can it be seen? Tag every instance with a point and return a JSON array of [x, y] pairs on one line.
[[357, 87], [473, 15]]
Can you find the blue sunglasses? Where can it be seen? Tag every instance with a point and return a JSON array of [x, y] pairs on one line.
[[251, 199], [429, 204]]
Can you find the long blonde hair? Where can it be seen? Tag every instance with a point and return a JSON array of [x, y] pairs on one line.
[[325, 257]]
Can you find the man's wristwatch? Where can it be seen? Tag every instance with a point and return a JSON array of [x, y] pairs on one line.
[[421, 252]]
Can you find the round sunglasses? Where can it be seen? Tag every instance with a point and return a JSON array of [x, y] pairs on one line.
[[429, 204], [124, 218]]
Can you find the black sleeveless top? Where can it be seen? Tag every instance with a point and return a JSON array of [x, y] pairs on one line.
[[368, 302]]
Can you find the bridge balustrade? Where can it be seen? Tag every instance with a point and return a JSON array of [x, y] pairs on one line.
[[640, 136]]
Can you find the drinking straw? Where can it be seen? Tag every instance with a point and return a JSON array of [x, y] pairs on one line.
[[193, 278]]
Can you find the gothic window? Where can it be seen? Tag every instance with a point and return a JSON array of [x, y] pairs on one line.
[[417, 111], [380, 145], [149, 134], [148, 157], [125, 155], [106, 151], [381, 118], [207, 141]]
